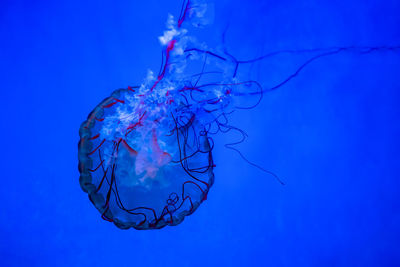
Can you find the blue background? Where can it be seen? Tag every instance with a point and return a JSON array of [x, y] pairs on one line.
[[332, 134]]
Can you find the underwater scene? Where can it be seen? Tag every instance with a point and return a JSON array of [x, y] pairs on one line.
[[200, 133]]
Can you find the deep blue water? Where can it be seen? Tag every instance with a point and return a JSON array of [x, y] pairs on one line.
[[332, 134]]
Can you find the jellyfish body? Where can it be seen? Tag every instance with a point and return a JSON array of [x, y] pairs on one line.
[[143, 169]]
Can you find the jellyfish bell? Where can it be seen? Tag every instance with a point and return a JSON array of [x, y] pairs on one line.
[[142, 166]]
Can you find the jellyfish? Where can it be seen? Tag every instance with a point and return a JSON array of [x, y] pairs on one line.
[[145, 152]]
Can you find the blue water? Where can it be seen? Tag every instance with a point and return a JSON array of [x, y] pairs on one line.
[[332, 135]]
